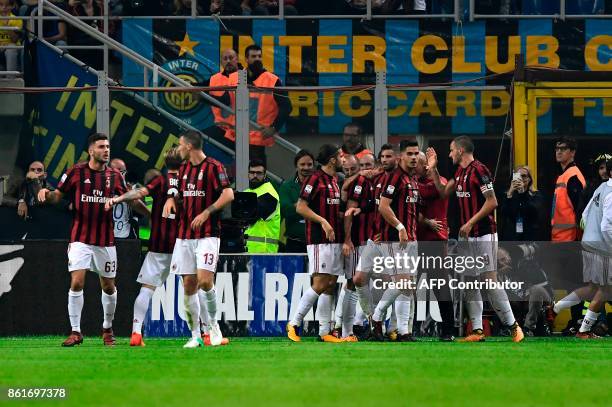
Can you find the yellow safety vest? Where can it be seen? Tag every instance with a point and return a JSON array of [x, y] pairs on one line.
[[263, 236]]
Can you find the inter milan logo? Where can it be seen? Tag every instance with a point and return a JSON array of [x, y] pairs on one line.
[[186, 105]]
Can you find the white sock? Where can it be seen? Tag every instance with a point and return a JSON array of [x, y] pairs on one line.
[[360, 317], [211, 305], [501, 305], [474, 305], [567, 302], [392, 318], [588, 321], [324, 305], [109, 305], [365, 299], [75, 307], [141, 305], [192, 312], [339, 311], [349, 304], [306, 303], [204, 317], [403, 311], [411, 313], [387, 299]]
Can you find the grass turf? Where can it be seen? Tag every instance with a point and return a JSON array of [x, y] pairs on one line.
[[267, 372]]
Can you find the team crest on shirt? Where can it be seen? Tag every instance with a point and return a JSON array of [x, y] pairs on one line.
[[200, 175], [107, 182], [308, 189], [357, 189], [323, 265], [185, 176], [390, 189]]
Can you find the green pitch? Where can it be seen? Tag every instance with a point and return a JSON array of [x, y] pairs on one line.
[[270, 372]]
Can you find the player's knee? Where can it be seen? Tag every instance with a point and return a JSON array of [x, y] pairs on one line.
[[108, 286], [359, 280], [190, 284]]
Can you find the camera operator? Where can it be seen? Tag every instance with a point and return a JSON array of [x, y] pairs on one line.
[[263, 235]]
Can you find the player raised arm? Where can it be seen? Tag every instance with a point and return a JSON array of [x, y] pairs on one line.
[[129, 196], [432, 166], [52, 197], [225, 198], [304, 210]]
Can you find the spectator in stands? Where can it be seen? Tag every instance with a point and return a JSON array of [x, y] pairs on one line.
[[147, 7], [522, 209], [10, 34], [86, 8], [227, 7], [54, 31], [352, 138], [268, 7], [36, 178], [183, 8], [293, 225]]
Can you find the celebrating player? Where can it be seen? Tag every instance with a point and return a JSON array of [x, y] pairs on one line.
[[319, 204], [156, 265], [474, 189], [89, 186], [205, 190]]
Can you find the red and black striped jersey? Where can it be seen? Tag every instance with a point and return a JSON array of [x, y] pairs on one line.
[[432, 206], [322, 194], [361, 191], [403, 190], [89, 190], [471, 183], [163, 230], [200, 186], [378, 183]]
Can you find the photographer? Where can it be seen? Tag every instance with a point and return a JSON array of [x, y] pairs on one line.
[[263, 236], [522, 210]]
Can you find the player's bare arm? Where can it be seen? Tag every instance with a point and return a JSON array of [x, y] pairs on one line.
[[389, 216], [347, 246], [225, 198], [487, 208], [445, 190], [304, 211], [169, 207], [129, 196], [51, 197]]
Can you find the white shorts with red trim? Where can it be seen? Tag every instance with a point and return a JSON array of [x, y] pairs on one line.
[[99, 259], [325, 258], [155, 269]]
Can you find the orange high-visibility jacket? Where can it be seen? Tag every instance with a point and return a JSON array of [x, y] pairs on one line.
[[225, 120], [563, 222]]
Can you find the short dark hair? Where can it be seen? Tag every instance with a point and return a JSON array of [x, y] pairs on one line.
[[383, 148], [326, 153], [409, 142], [569, 141], [464, 142], [356, 125], [252, 47], [257, 162], [194, 138], [96, 137], [173, 159], [301, 154]]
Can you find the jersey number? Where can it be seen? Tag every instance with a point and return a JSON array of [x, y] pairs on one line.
[[209, 258], [110, 266]]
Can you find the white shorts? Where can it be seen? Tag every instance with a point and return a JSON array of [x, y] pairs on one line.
[[155, 269], [99, 259], [195, 254], [325, 258], [483, 247], [407, 257], [596, 268], [350, 262], [367, 257]]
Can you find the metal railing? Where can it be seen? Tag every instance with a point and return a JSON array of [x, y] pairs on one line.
[[562, 15]]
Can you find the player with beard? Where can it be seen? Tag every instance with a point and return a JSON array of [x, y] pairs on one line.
[[89, 186], [319, 204], [205, 190], [365, 265], [474, 189]]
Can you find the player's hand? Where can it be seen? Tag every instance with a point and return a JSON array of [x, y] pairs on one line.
[[329, 231], [347, 248], [465, 230], [352, 212], [42, 194], [432, 158], [169, 208], [109, 204], [403, 238], [434, 224], [199, 220], [22, 210]]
